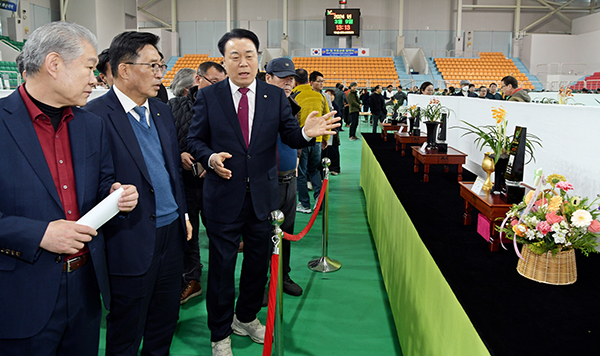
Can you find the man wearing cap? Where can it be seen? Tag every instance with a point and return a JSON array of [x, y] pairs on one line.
[[281, 73]]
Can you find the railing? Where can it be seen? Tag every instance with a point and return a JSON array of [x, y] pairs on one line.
[[555, 85], [11, 45], [561, 69], [455, 53], [10, 76]]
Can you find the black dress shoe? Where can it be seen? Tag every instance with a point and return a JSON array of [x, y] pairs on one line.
[[291, 288]]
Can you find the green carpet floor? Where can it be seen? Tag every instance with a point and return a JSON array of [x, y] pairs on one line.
[[342, 313]]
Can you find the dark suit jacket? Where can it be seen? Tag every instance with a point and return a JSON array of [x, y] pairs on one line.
[[216, 128], [130, 240], [30, 276]]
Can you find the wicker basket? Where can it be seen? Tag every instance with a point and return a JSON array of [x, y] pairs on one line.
[[558, 270]]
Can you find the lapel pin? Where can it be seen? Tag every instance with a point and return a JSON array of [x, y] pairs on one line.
[[157, 114], [265, 96]]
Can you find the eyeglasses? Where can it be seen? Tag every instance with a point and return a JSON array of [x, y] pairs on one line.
[[154, 66], [212, 81]]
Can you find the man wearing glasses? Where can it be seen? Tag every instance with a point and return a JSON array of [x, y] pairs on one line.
[[144, 249], [512, 92]]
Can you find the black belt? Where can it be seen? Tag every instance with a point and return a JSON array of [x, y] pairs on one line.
[[75, 263], [287, 178]]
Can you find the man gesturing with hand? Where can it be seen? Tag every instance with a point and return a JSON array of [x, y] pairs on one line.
[[234, 134]]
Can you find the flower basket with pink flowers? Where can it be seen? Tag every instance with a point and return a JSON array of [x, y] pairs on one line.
[[552, 227]]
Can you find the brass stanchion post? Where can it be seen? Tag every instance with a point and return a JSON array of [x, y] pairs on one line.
[[276, 218], [325, 264]]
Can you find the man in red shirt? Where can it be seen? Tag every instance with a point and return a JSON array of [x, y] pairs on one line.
[[56, 165]]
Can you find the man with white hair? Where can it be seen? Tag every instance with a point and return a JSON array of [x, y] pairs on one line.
[[57, 165]]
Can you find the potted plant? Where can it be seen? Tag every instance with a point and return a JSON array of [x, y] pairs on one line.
[[551, 225], [432, 115], [496, 138], [414, 113]]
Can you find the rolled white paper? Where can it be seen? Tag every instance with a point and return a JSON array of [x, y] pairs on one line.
[[104, 211]]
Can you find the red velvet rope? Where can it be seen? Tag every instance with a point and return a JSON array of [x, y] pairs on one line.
[[271, 309], [312, 218], [268, 345]]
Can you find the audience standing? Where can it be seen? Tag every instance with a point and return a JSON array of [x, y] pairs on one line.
[[309, 168], [426, 88], [377, 105], [492, 92], [482, 92], [512, 92], [103, 67], [341, 100], [333, 151], [193, 173], [353, 110], [281, 73], [400, 96], [364, 99]]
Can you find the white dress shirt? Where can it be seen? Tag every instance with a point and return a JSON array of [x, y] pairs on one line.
[[129, 104], [251, 94]]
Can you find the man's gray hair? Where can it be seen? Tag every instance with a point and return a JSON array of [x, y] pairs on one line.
[[63, 38], [184, 79]]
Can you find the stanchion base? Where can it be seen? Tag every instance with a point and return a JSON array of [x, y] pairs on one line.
[[324, 264]]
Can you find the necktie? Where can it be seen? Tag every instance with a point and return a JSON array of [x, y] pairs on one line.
[[141, 111], [243, 115]]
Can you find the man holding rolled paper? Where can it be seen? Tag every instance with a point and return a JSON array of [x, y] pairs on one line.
[[56, 165]]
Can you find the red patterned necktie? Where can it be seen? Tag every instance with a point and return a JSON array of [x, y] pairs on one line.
[[243, 115]]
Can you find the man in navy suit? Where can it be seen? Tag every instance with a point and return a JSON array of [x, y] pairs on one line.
[[234, 134], [144, 251], [56, 165]]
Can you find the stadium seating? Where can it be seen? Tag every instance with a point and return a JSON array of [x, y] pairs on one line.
[[10, 69], [365, 71], [188, 61], [491, 67], [591, 83]]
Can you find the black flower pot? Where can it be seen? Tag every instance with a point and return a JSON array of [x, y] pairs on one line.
[[499, 182], [411, 124], [432, 128]]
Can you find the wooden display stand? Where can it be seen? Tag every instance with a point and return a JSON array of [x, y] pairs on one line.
[[385, 128], [427, 158], [403, 138], [491, 205]]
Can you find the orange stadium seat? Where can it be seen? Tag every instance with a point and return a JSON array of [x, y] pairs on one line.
[[188, 61], [489, 67], [365, 71]]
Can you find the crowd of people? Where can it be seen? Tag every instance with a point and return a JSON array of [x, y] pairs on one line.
[[215, 154], [225, 151]]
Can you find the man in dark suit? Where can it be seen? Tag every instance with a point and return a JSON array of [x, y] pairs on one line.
[[56, 165], [144, 251], [234, 134]]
